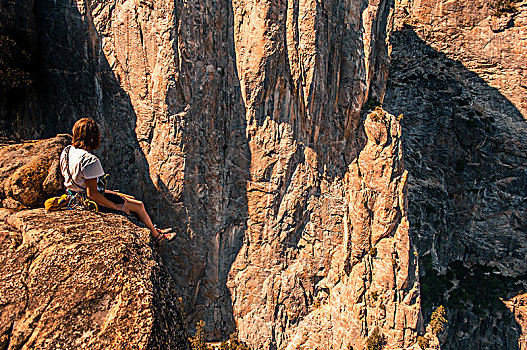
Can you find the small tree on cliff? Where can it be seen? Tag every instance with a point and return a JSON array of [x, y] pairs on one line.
[[234, 343], [438, 320], [197, 342]]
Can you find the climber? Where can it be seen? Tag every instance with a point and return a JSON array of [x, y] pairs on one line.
[[83, 171]]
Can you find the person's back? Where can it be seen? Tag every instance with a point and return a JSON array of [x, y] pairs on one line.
[[78, 165]]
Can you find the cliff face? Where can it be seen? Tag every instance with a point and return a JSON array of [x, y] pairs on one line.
[[457, 73], [239, 123], [347, 269], [249, 128]]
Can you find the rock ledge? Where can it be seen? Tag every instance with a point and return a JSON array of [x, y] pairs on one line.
[[80, 280]]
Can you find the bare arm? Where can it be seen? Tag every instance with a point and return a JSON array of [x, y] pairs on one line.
[[97, 197]]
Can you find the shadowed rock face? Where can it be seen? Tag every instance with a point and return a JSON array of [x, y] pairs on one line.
[[458, 81], [474, 32], [80, 280]]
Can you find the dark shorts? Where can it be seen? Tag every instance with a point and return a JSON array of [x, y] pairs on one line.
[[114, 198]]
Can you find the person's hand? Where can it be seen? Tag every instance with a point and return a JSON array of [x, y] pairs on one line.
[[124, 209]]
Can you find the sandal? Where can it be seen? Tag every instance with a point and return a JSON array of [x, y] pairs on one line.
[[163, 237]]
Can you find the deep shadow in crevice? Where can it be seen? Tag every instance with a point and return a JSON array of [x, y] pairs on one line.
[[464, 146], [217, 166]]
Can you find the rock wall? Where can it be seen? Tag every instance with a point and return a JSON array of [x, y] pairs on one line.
[[304, 271], [239, 123], [349, 267], [457, 76]]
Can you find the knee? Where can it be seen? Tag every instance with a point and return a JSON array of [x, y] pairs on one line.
[[140, 206]]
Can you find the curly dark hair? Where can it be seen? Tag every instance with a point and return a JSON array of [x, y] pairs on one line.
[[86, 134]]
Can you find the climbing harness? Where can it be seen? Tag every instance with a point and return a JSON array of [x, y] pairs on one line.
[[70, 200], [81, 200]]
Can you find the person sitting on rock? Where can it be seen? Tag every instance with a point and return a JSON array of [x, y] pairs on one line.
[[82, 170]]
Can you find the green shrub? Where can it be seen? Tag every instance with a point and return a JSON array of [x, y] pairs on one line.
[[373, 251], [234, 343], [460, 165], [371, 104], [423, 342]]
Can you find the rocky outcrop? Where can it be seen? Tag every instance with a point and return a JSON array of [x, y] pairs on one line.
[[80, 280], [459, 83], [347, 269], [30, 171]]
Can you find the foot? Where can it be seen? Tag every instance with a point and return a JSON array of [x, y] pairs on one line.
[[164, 236]]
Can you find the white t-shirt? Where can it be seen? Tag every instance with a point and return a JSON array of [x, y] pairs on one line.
[[82, 166]]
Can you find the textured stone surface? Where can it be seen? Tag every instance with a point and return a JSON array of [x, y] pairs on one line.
[[237, 122], [80, 280], [221, 114], [244, 117], [17, 66], [30, 171], [518, 306], [348, 269], [459, 81], [303, 98], [488, 44]]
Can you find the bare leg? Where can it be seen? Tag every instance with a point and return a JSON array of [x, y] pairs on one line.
[[137, 207], [119, 194]]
